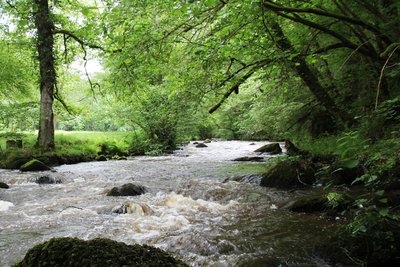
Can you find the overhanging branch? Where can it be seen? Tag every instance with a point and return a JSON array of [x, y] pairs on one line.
[[235, 87], [319, 12]]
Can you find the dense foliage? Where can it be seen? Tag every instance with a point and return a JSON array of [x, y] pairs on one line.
[[322, 73]]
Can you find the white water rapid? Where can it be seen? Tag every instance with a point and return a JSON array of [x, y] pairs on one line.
[[187, 210]]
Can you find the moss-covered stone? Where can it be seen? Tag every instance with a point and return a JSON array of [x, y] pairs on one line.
[[101, 158], [68, 252], [272, 149], [292, 172], [34, 165], [310, 203]]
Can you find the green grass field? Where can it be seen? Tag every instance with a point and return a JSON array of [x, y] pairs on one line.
[[74, 141]]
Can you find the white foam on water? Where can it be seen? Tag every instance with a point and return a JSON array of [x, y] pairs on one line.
[[5, 205]]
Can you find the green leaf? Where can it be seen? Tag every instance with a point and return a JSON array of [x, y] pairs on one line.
[[384, 212], [350, 164], [383, 200], [85, 11]]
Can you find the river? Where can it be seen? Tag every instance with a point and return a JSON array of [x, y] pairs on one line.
[[190, 212]]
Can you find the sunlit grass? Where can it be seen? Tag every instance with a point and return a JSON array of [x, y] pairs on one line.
[[74, 141]]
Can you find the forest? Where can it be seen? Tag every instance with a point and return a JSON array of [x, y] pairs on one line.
[[87, 80]]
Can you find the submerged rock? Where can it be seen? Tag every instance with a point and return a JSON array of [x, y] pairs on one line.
[[289, 173], [68, 252], [311, 203], [257, 159], [272, 149], [34, 165], [127, 190], [200, 145], [4, 185], [47, 180], [129, 207], [247, 179]]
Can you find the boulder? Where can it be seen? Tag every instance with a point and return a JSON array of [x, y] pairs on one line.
[[310, 203], [289, 173], [4, 185], [34, 165], [127, 190], [273, 149], [207, 141], [200, 145], [257, 159], [68, 252]]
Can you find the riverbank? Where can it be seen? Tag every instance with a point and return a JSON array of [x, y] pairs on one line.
[[17, 149]]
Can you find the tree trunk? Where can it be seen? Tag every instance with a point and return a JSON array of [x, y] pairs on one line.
[[45, 42], [308, 76]]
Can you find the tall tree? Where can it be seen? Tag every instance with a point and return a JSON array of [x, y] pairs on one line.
[[48, 77]]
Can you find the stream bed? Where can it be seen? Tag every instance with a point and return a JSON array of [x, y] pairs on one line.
[[190, 212]]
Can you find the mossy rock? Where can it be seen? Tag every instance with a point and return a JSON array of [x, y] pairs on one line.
[[34, 165], [68, 252], [116, 157], [272, 149], [293, 172], [16, 161], [256, 159], [4, 185], [310, 203], [101, 158]]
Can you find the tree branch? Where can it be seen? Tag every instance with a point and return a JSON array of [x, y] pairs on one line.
[[370, 27], [235, 87], [328, 31]]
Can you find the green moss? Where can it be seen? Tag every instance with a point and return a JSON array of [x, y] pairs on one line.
[[64, 252], [290, 172], [34, 165]]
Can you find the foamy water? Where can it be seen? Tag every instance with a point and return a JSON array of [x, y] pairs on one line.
[[187, 210]]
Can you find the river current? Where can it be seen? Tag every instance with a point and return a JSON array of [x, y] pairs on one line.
[[187, 209]]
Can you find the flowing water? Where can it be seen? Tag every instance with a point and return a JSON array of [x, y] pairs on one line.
[[187, 209]]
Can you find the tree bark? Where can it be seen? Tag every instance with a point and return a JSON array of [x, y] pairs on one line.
[[45, 42], [310, 79]]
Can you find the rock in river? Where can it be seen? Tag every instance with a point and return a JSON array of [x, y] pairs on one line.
[[127, 190], [289, 173], [68, 252], [4, 185], [47, 180], [200, 145], [273, 149], [34, 165], [256, 159]]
